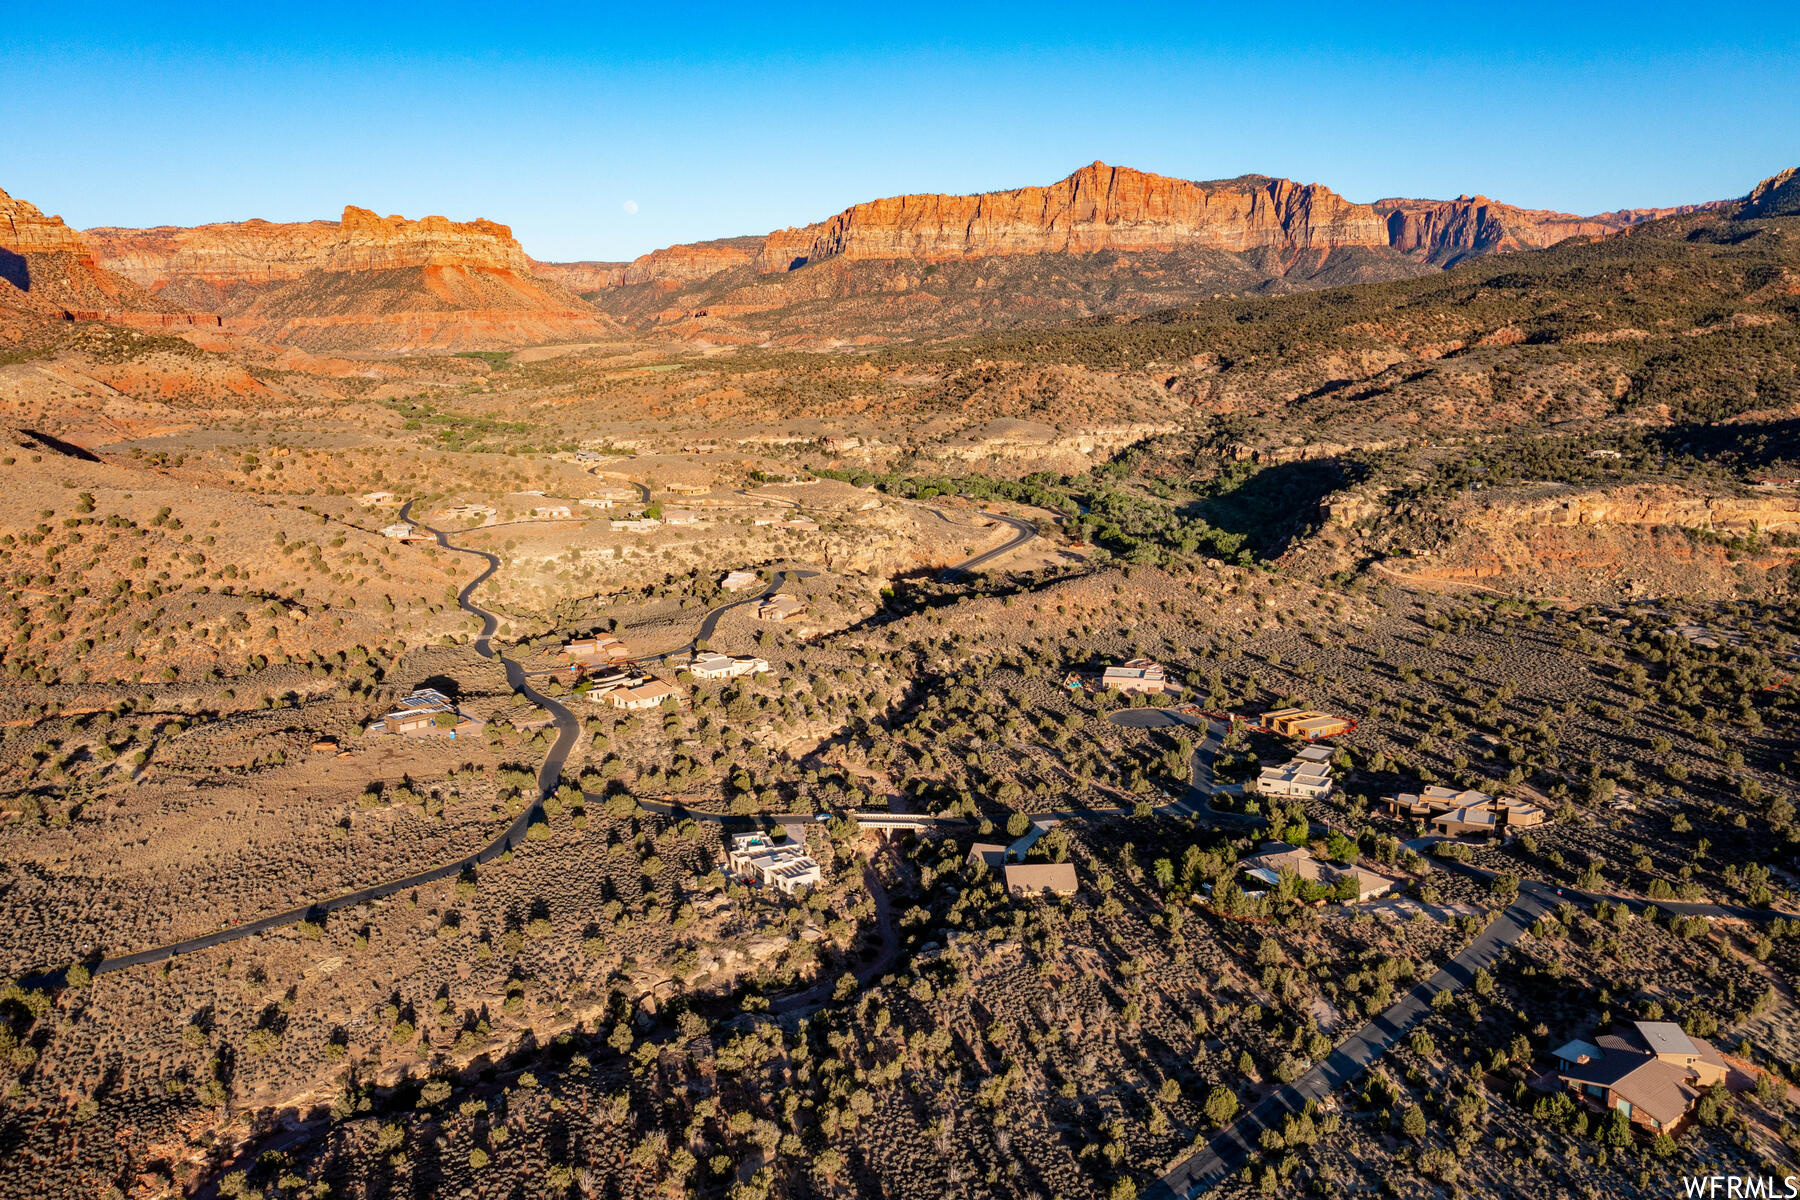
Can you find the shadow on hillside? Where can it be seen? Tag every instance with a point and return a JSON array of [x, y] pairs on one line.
[[58, 446], [15, 270], [1273, 506]]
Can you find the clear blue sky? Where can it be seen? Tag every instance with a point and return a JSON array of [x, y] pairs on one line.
[[712, 122]]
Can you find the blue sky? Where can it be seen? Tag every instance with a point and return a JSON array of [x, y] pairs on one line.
[[708, 122]]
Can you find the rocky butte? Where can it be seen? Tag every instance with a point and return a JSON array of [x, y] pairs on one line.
[[367, 282]]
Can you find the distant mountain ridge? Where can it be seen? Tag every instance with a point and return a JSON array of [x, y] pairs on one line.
[[1101, 208], [1105, 240]]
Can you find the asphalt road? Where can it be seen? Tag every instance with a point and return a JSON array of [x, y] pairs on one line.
[[1201, 785], [1236, 1145], [565, 724], [567, 728], [1023, 532], [709, 624]]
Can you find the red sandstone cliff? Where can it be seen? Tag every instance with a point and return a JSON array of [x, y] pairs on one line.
[[49, 269], [264, 252], [366, 282], [1097, 208], [1101, 207], [680, 263]]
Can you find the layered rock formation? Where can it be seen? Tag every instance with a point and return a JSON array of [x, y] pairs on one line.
[[1103, 208], [1776, 196], [680, 263], [1097, 208], [49, 269], [259, 252], [365, 282], [24, 229]]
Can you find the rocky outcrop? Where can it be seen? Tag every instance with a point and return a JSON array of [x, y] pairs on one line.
[[1638, 504], [1107, 208], [1776, 196], [260, 252], [50, 270], [582, 277], [1444, 232], [672, 264], [24, 229]]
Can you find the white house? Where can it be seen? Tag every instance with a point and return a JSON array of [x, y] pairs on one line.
[[713, 665], [758, 858], [1306, 775]]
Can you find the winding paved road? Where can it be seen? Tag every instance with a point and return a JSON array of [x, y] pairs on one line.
[[567, 726], [1237, 1143], [1023, 531], [565, 723], [1233, 1147]]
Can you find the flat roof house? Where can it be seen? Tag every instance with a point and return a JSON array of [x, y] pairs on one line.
[[781, 607], [758, 858], [1041, 879], [601, 686], [712, 665], [418, 713], [737, 581], [1451, 811], [1138, 675], [1306, 724], [1306, 775], [399, 531], [599, 648]]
